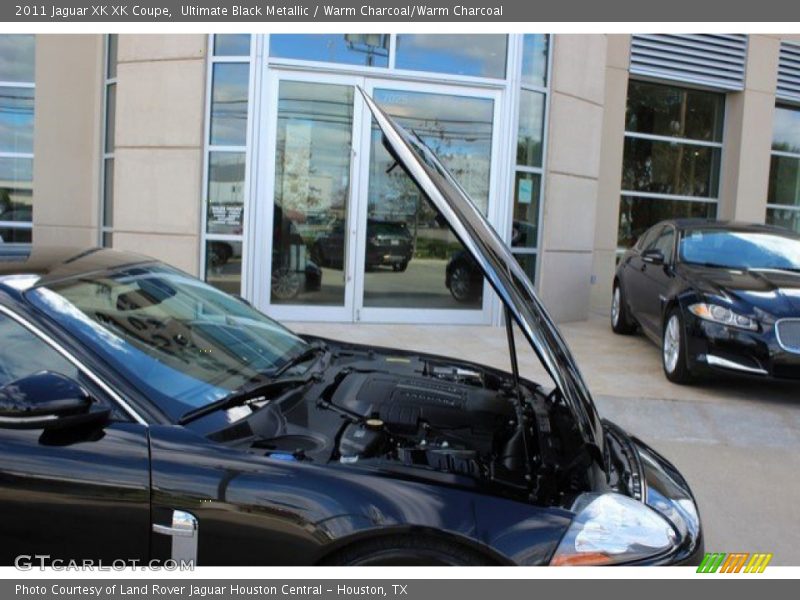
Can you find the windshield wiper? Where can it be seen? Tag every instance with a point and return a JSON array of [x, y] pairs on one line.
[[242, 396], [259, 391], [314, 349]]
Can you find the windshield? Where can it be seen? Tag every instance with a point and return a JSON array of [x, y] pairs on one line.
[[181, 342], [740, 249]]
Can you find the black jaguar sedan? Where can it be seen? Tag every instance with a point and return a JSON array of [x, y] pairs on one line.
[[145, 415], [716, 297]]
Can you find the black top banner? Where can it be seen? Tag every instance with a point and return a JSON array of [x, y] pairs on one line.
[[258, 11]]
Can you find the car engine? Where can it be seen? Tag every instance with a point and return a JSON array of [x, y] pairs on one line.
[[425, 418]]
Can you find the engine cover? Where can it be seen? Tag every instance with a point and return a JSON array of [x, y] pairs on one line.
[[407, 403]]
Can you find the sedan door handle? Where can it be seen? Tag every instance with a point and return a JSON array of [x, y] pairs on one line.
[[184, 534], [174, 531]]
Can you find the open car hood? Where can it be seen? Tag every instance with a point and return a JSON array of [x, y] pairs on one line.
[[499, 267]]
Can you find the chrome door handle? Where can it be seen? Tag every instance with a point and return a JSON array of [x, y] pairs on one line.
[[184, 534], [167, 530]]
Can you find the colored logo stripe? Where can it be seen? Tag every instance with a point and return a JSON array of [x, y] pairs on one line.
[[711, 562], [758, 563], [732, 563]]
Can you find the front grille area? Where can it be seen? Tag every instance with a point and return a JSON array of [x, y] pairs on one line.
[[788, 331]]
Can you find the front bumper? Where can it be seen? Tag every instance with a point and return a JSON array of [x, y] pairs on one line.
[[388, 255], [715, 347]]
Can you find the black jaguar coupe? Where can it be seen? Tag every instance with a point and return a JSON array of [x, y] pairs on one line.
[[715, 296], [145, 415]]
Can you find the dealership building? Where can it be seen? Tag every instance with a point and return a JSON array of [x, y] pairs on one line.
[[253, 161]]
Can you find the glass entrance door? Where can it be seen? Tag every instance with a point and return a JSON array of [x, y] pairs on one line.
[[311, 198], [352, 239], [413, 267]]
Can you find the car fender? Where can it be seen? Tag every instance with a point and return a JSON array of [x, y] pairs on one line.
[[253, 509]]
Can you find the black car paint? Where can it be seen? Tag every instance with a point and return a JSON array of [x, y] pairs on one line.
[[95, 493], [281, 512], [652, 290]]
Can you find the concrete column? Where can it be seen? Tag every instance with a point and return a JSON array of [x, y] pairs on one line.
[[158, 158], [609, 182], [572, 171], [748, 135], [66, 147]]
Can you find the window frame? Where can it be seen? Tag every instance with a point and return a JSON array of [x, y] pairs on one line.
[[514, 68], [262, 63], [783, 154], [105, 232], [25, 225], [714, 145], [247, 151]]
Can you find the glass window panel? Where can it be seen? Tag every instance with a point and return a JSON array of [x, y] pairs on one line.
[[223, 266], [312, 188], [108, 192], [15, 235], [670, 168], [638, 214], [111, 55], [369, 49], [676, 112], [108, 239], [528, 264], [111, 116], [534, 59], [782, 217], [16, 192], [786, 130], [229, 104], [231, 44], [17, 58], [784, 181], [525, 228], [457, 54], [225, 192], [413, 260], [531, 129], [23, 353], [16, 119]]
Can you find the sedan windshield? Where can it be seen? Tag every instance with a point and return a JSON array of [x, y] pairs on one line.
[[740, 249], [179, 341]]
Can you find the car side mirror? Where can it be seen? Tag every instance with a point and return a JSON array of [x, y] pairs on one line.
[[48, 400], [653, 256]]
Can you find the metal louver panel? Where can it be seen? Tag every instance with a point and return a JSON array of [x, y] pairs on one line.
[[789, 72], [709, 60]]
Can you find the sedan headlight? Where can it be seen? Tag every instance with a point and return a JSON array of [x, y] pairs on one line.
[[611, 529], [723, 316]]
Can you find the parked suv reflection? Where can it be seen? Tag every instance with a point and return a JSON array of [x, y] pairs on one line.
[[389, 243]]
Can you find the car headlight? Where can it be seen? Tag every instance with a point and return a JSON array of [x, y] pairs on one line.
[[723, 316], [611, 529]]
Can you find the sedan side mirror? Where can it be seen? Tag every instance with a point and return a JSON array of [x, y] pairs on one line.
[[47, 400], [653, 256]]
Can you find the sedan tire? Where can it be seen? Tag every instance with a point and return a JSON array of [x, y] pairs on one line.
[[461, 286], [621, 321], [673, 349]]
